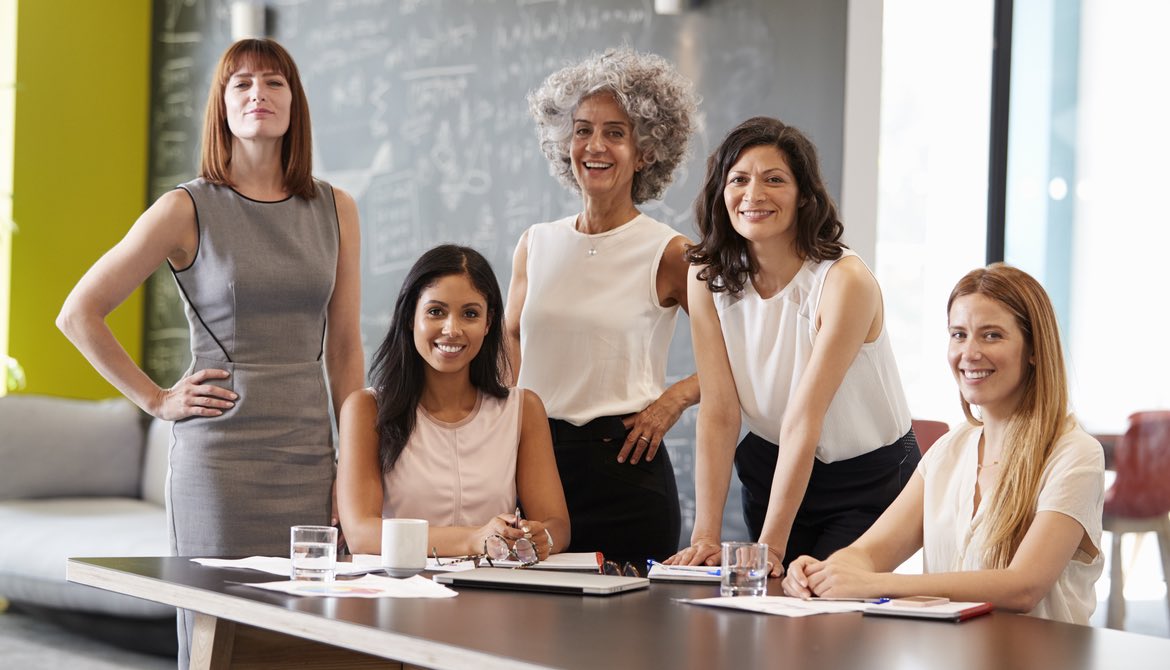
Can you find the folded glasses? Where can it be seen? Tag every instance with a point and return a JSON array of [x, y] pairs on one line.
[[624, 570], [496, 548]]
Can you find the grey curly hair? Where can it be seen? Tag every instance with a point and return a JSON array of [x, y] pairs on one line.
[[659, 101]]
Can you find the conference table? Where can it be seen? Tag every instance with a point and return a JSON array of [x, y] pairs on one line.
[[238, 626]]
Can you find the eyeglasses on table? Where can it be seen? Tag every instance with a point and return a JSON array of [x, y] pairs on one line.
[[626, 569]]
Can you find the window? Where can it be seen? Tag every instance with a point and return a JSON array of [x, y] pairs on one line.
[[932, 183], [1086, 164]]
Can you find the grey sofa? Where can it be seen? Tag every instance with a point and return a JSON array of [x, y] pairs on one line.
[[79, 478]]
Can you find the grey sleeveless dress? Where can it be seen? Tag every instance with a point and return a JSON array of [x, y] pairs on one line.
[[256, 297]]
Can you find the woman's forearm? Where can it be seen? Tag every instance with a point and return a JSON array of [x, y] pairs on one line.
[[794, 465], [715, 434], [94, 339]]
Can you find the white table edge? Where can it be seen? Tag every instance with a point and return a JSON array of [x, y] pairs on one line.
[[355, 637]]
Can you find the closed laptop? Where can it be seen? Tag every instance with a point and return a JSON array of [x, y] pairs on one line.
[[548, 581]]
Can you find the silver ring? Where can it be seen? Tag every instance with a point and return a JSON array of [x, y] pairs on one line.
[[549, 536], [644, 439]]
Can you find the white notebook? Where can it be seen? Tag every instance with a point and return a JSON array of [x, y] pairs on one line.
[[683, 573], [581, 560]]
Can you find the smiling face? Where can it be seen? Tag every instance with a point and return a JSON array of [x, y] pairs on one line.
[[257, 100], [603, 150], [450, 323], [762, 196], [989, 355]]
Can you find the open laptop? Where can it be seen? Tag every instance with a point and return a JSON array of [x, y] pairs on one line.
[[547, 581]]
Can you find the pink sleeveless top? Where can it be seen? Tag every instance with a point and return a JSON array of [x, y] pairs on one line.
[[458, 474]]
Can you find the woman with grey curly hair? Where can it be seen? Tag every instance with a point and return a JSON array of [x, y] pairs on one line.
[[594, 298]]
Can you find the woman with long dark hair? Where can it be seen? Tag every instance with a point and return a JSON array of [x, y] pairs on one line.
[[438, 435]]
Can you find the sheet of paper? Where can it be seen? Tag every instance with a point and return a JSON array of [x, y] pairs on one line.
[[779, 605], [581, 560], [366, 586], [688, 573], [361, 564]]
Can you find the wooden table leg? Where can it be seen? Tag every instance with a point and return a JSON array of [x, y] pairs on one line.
[[212, 642]]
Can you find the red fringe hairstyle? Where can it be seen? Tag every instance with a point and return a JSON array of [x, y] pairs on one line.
[[296, 154]]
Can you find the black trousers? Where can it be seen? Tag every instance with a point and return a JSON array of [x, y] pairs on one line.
[[629, 512], [842, 501]]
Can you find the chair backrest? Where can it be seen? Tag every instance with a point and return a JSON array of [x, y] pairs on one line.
[[1142, 460], [928, 432]]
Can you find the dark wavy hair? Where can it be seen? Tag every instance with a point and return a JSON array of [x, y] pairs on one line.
[[397, 371], [720, 247]]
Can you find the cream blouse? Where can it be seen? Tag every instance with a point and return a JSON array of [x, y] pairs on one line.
[[1073, 483]]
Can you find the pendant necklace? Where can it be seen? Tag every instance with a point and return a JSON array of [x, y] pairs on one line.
[[982, 448], [594, 248]]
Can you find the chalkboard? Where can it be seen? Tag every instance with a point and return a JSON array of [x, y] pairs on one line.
[[419, 112]]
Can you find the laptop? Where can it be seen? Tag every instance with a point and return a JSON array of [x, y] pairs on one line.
[[546, 581]]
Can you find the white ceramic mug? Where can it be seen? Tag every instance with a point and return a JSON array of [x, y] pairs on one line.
[[404, 546]]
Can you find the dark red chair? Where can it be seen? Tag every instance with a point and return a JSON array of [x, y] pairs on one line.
[[928, 432], [1139, 500]]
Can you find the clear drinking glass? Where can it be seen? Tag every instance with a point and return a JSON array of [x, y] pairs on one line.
[[313, 550], [745, 569]]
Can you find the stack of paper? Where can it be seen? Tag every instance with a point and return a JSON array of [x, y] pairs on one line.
[[360, 565], [584, 560], [367, 586], [683, 573], [781, 605]]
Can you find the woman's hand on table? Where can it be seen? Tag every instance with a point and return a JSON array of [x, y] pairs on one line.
[[701, 552], [831, 579], [796, 581], [775, 562]]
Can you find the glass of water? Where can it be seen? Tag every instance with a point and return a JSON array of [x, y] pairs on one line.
[[313, 553], [745, 569]]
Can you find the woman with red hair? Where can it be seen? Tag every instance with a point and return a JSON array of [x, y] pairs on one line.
[[266, 259]]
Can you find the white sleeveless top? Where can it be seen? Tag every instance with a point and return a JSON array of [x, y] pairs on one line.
[[462, 473], [769, 343], [593, 338]]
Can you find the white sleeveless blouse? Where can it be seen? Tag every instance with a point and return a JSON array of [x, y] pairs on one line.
[[593, 337], [769, 344]]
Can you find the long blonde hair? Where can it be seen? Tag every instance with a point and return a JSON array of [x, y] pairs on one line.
[[1042, 415]]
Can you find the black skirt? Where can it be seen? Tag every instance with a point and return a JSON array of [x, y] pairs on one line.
[[842, 500], [629, 512]]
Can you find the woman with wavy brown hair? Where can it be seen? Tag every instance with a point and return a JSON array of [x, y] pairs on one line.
[[1007, 506], [789, 331]]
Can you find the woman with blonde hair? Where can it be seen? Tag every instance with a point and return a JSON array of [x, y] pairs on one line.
[[1007, 506], [266, 259]]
